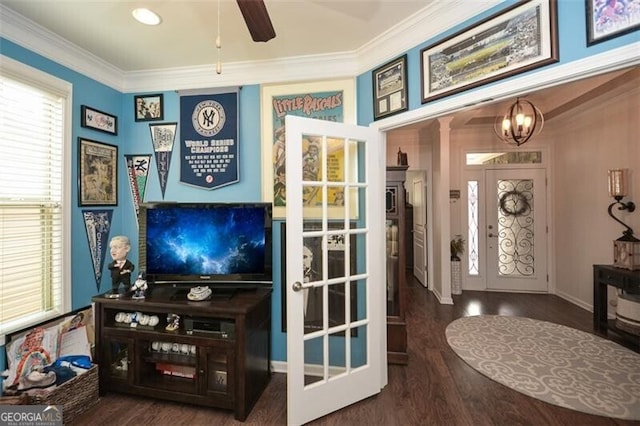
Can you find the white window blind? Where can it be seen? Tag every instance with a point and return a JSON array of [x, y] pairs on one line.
[[32, 128]]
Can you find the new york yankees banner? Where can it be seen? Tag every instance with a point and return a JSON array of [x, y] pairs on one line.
[[209, 140]]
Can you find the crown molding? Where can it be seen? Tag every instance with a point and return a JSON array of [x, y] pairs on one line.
[[26, 33], [425, 24], [419, 28], [316, 67]]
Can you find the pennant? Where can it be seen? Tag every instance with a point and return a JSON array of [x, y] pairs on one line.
[[138, 170], [209, 140], [162, 136], [97, 223]]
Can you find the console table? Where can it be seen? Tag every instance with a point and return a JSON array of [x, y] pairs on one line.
[[624, 279]]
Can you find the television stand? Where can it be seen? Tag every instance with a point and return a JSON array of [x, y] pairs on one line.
[[223, 293], [223, 361]]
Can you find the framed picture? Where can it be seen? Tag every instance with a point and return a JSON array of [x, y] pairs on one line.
[[337, 98], [390, 88], [607, 19], [149, 107], [97, 173], [98, 120], [520, 38], [312, 264]]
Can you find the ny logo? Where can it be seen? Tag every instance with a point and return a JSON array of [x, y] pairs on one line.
[[208, 117], [141, 165]]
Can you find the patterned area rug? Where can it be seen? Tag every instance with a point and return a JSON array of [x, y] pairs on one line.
[[551, 362]]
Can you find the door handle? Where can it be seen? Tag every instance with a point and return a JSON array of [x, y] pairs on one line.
[[297, 286], [492, 235]]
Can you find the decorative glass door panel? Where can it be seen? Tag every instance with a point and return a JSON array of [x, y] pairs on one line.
[[119, 356], [516, 230]]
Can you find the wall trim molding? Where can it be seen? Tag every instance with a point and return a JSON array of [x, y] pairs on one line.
[[610, 60]]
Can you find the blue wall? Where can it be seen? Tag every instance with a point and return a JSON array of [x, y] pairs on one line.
[[134, 138]]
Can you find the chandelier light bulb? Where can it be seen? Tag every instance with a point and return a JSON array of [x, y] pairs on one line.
[[219, 68], [218, 42], [527, 122]]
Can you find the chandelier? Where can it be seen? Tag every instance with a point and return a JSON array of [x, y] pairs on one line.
[[521, 121]]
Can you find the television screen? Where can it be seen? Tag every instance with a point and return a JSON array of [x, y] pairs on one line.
[[215, 243]]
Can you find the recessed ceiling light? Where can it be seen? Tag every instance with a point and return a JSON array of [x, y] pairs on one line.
[[146, 16]]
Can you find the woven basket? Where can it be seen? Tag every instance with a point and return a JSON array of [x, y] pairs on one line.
[[75, 396], [22, 399], [628, 327]]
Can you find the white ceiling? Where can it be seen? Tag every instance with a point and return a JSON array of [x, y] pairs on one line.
[[186, 37]]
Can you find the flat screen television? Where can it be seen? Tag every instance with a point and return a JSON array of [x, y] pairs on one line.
[[221, 245]]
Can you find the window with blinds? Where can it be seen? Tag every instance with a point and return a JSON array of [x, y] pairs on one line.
[[32, 196]]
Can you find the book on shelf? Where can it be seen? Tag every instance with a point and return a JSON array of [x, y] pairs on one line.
[[176, 370]]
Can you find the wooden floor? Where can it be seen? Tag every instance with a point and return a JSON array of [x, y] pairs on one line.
[[436, 388]]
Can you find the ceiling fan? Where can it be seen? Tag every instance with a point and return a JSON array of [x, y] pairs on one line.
[[257, 18]]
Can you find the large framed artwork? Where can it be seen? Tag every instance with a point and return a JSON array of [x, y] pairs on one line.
[[312, 260], [519, 38], [332, 100], [607, 19], [390, 88], [97, 173]]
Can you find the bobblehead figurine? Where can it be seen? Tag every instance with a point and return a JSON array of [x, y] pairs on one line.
[[121, 267]]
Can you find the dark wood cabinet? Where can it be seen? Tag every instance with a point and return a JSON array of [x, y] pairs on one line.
[[623, 279], [396, 265], [218, 357]]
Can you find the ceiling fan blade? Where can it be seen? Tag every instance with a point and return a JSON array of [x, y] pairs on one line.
[[257, 18]]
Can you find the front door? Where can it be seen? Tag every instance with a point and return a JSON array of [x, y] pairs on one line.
[[336, 318], [516, 230]]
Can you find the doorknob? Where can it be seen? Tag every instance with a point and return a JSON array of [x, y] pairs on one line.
[[297, 286], [492, 235]]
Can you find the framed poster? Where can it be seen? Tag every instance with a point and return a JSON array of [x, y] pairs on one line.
[[92, 118], [149, 107], [390, 88], [97, 173], [520, 38], [312, 267], [607, 19], [332, 100]]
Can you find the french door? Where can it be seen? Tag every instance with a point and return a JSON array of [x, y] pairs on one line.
[[516, 229], [336, 317]]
